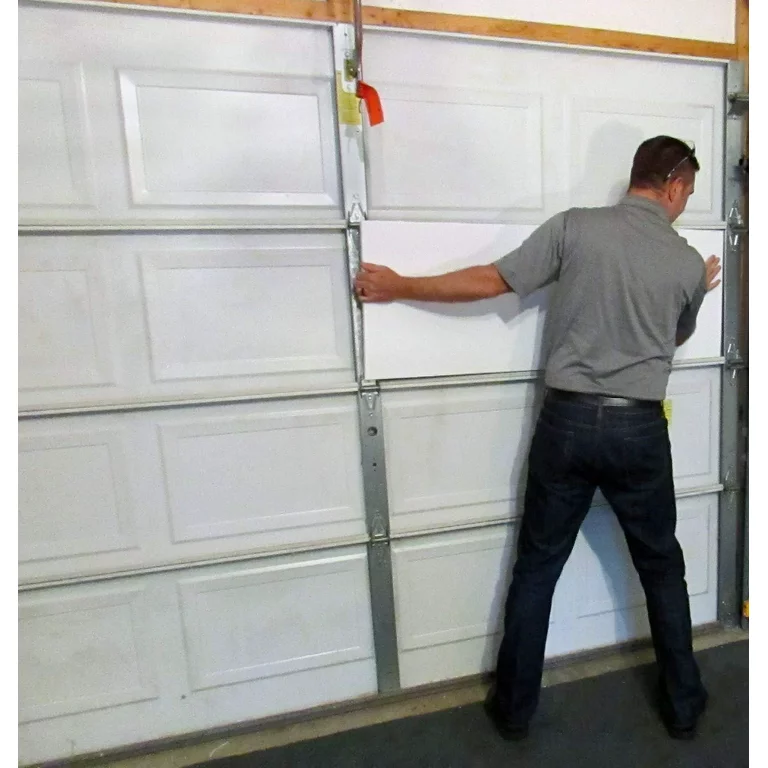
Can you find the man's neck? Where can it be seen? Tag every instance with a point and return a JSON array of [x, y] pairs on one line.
[[648, 194]]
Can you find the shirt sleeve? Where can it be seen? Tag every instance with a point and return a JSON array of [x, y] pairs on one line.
[[686, 324], [537, 261]]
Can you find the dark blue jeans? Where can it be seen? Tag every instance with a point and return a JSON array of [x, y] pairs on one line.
[[625, 452]]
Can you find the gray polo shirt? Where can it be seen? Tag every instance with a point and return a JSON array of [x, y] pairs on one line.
[[625, 284]]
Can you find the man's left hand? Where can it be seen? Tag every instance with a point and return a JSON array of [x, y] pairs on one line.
[[712, 269]]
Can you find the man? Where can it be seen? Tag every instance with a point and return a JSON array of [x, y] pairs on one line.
[[627, 289]]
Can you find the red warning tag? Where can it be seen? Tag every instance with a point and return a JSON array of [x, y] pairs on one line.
[[372, 102]]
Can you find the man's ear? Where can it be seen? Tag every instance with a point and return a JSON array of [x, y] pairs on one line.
[[674, 188]]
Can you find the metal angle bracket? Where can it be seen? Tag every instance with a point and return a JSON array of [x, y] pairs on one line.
[[738, 104]]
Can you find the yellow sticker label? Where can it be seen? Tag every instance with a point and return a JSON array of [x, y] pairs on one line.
[[745, 610], [668, 410], [348, 104]]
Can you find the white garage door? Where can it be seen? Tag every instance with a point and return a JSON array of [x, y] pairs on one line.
[[192, 532], [238, 497]]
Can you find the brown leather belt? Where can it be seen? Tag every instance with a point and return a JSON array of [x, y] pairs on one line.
[[607, 400]]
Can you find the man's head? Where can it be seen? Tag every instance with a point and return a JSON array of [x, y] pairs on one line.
[[664, 169]]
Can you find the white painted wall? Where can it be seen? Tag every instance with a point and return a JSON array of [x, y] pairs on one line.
[[712, 20]]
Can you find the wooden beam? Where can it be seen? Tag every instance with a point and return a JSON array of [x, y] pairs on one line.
[[742, 29], [742, 37], [312, 10], [341, 11], [546, 33]]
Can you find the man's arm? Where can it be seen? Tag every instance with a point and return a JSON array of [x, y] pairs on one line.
[[686, 325], [377, 283], [533, 264], [682, 335]]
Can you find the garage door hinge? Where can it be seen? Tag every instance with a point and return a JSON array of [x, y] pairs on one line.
[[734, 362], [355, 216], [370, 391], [378, 531]]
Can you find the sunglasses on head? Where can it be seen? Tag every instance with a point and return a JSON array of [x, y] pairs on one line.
[[689, 155]]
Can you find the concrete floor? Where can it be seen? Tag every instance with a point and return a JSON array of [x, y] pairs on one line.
[[399, 706]]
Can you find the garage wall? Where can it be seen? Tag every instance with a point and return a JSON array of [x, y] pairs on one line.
[[694, 19]]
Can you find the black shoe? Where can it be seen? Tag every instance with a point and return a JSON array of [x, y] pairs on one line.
[[507, 730], [686, 732], [683, 733]]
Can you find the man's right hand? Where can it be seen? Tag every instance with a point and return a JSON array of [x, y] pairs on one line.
[[712, 270], [377, 283]]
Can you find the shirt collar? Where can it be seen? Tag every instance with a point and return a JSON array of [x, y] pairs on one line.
[[635, 201]]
